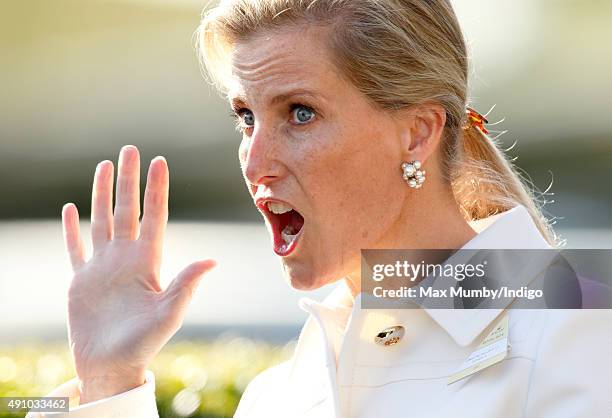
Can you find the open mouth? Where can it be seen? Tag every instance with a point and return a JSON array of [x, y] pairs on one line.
[[286, 223]]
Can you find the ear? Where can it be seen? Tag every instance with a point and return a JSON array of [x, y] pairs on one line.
[[421, 128]]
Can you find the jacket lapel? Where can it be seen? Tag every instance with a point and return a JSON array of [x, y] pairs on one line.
[[316, 387]]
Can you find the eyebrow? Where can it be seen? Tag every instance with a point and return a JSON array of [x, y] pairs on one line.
[[239, 100]]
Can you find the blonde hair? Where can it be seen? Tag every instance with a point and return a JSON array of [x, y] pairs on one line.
[[398, 53]]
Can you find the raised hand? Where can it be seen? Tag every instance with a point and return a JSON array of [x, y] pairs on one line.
[[119, 318]]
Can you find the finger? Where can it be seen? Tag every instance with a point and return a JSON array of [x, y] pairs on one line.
[[127, 201], [155, 213], [102, 205], [72, 235], [180, 291]]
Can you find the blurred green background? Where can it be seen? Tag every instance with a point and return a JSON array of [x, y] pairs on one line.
[[193, 378], [79, 79]]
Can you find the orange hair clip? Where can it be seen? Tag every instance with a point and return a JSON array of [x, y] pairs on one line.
[[476, 119]]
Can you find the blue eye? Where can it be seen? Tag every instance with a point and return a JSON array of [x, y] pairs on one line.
[[248, 118], [302, 114]]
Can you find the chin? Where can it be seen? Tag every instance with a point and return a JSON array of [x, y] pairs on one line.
[[301, 277]]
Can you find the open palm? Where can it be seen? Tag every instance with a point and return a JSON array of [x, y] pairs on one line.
[[119, 318]]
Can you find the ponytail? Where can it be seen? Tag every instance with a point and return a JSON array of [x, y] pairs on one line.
[[485, 182]]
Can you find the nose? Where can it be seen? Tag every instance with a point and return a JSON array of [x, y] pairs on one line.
[[260, 158]]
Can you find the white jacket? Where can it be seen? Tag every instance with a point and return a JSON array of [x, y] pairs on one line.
[[558, 365]]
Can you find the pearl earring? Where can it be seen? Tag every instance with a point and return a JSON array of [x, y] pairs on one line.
[[414, 176]]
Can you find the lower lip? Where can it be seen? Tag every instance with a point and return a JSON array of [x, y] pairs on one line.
[[285, 249]]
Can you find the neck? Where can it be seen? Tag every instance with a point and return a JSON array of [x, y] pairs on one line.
[[426, 222]]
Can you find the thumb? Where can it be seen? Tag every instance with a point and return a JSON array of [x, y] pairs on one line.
[[182, 288]]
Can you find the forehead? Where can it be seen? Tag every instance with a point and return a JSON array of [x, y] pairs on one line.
[[274, 61]]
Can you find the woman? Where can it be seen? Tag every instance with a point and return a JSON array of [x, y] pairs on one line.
[[340, 103]]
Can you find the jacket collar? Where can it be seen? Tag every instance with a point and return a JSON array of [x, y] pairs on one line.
[[513, 229]]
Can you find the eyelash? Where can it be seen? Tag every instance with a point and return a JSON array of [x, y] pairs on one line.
[[236, 114]]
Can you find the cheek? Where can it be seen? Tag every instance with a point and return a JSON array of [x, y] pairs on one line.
[[355, 178], [347, 176], [242, 151], [369, 185]]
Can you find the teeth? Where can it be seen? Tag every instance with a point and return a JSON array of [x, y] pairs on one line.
[[278, 208], [288, 234]]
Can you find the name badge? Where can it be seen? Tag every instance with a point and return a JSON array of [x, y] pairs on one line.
[[493, 349]]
